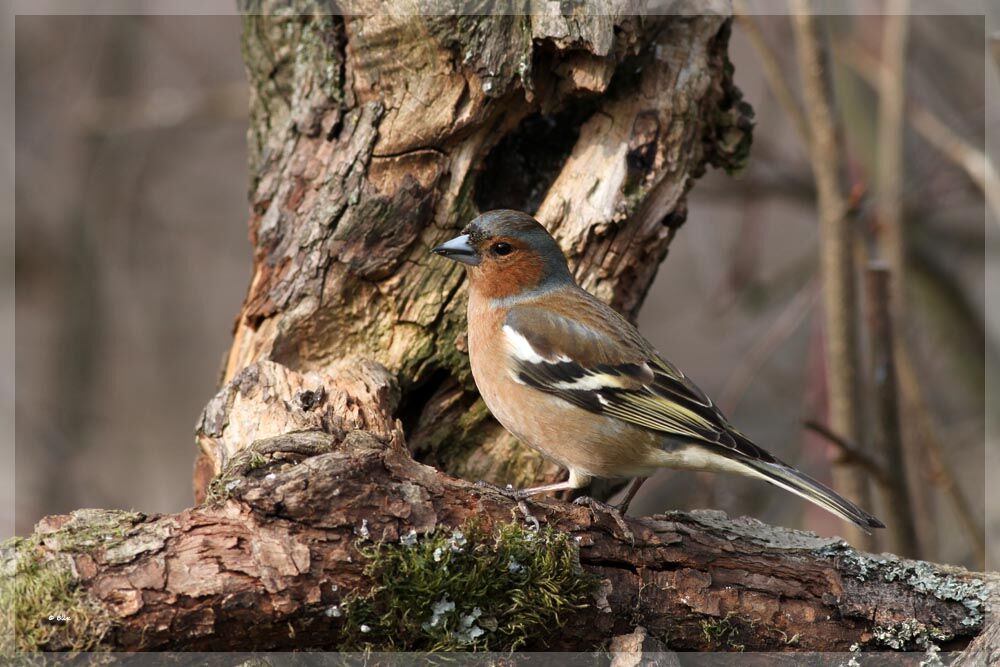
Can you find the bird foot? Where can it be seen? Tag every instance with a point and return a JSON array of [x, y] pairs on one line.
[[515, 495], [611, 510], [523, 506]]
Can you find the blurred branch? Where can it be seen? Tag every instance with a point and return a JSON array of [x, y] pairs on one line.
[[849, 451], [974, 162], [775, 78], [887, 312], [889, 434], [919, 409], [889, 164], [785, 324], [836, 254]]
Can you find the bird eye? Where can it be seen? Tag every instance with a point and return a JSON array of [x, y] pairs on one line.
[[502, 249]]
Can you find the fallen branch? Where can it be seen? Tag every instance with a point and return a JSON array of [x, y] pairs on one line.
[[301, 536]]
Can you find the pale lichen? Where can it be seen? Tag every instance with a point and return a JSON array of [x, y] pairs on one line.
[[925, 578], [87, 529], [907, 634], [726, 632]]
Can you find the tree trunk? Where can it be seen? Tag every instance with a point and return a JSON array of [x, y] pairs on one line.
[[374, 138]]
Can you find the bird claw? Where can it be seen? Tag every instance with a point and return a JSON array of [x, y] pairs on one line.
[[515, 495], [611, 510], [523, 506]]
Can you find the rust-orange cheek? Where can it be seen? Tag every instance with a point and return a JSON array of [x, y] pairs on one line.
[[497, 279]]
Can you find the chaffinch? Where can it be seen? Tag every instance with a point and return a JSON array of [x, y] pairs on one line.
[[570, 377]]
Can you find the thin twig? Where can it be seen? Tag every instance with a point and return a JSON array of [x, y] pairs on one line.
[[889, 167], [977, 165], [775, 77], [886, 294], [850, 452], [889, 434], [836, 255]]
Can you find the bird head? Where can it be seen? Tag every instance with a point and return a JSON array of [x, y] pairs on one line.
[[507, 253]]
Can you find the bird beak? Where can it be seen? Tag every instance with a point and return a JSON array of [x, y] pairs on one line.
[[459, 250]]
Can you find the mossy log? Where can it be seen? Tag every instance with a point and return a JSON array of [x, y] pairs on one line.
[[328, 535], [376, 136]]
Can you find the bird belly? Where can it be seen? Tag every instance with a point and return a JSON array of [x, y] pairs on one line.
[[582, 441], [591, 444]]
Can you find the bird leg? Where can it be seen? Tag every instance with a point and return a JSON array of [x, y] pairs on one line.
[[521, 494], [575, 481], [633, 488], [528, 516], [517, 496], [547, 488]]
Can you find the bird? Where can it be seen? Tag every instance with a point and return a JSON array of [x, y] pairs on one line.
[[570, 377]]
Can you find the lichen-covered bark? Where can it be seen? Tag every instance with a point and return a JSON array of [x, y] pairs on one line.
[[376, 136]]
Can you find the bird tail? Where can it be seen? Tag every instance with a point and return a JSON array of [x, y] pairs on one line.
[[802, 485]]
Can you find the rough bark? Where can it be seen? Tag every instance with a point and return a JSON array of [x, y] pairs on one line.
[[373, 138], [285, 538]]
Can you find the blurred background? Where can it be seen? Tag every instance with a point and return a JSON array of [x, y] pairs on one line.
[[132, 258]]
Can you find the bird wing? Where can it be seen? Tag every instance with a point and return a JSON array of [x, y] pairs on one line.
[[586, 353], [578, 348]]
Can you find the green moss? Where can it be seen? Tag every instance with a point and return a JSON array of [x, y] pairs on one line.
[[220, 489], [725, 633], [465, 590], [222, 486], [43, 608]]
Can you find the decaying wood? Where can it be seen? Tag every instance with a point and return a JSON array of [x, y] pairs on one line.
[[378, 135], [985, 650], [278, 546]]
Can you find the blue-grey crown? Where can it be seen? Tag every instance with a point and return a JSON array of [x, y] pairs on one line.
[[520, 225]]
